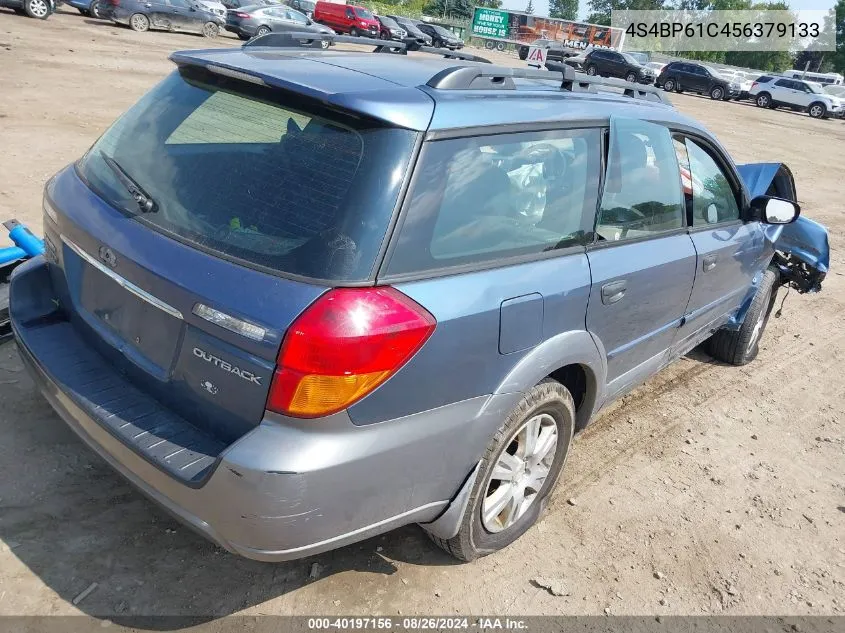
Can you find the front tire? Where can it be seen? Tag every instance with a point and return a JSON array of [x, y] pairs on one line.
[[740, 347], [592, 71], [353, 32], [631, 78], [717, 93], [817, 110], [517, 473], [38, 9], [94, 9], [669, 85], [139, 22]]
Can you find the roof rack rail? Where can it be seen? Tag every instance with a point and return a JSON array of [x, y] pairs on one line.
[[479, 77], [316, 40]]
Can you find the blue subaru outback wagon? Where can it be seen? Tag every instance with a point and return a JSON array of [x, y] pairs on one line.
[[303, 297]]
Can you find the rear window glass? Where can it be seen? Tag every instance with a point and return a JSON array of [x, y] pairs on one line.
[[255, 175], [489, 198]]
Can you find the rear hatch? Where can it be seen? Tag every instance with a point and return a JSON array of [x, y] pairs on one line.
[[203, 222]]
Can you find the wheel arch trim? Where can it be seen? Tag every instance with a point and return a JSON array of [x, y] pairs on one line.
[[578, 347]]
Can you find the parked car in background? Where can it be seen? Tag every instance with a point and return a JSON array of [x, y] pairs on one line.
[[236, 4], [300, 307], [256, 20], [40, 9], [91, 8], [608, 63], [389, 29], [216, 7], [346, 18], [738, 80], [770, 91], [412, 29], [836, 91], [522, 49], [166, 15], [698, 78], [656, 67], [303, 6], [441, 37]]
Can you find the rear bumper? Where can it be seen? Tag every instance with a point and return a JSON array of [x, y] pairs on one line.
[[287, 489]]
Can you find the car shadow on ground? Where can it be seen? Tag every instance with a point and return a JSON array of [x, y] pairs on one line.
[[73, 521]]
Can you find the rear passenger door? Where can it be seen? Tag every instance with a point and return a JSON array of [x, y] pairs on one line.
[[642, 260], [728, 250]]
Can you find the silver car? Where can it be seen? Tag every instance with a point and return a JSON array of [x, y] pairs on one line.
[[254, 20]]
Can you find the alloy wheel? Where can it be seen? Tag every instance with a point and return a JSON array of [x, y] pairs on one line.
[[519, 473], [38, 8]]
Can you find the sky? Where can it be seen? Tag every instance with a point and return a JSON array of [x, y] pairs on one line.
[[541, 7]]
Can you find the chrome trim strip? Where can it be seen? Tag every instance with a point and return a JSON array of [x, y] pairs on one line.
[[128, 285]]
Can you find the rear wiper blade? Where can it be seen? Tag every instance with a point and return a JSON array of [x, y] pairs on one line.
[[144, 200]]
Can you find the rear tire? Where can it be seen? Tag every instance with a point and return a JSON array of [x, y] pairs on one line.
[[740, 347], [94, 9], [546, 413], [210, 30], [139, 22], [764, 100], [262, 30], [669, 85]]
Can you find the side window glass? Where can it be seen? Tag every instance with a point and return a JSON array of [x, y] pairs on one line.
[[642, 193], [349, 13], [487, 198], [783, 83], [713, 198]]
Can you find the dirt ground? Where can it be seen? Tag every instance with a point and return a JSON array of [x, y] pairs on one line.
[[710, 490]]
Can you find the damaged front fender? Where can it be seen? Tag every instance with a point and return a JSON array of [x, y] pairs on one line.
[[802, 247]]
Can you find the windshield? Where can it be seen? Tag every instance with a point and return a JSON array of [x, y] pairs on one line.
[[253, 174], [816, 88], [441, 31], [363, 13], [836, 91], [630, 58]]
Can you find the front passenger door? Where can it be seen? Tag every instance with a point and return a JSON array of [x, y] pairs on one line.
[[642, 260], [728, 250]]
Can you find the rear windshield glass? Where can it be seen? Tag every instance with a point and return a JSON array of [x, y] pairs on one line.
[[254, 174]]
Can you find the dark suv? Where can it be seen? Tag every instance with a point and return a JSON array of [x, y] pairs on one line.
[[681, 76], [609, 63], [303, 303]]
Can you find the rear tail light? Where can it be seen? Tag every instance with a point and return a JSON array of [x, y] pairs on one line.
[[243, 15], [114, 3], [754, 85], [343, 346]]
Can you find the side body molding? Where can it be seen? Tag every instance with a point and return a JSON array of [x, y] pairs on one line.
[[577, 347]]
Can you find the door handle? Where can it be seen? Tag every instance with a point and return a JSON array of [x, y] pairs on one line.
[[709, 263], [613, 291]]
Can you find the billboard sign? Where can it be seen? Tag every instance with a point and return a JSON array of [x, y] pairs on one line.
[[522, 28]]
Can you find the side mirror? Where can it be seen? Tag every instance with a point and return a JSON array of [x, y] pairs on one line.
[[773, 210]]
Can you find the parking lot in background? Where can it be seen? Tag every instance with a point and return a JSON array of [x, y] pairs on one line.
[[711, 489]]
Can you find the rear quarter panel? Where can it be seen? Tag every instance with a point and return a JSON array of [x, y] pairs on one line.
[[463, 358]]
